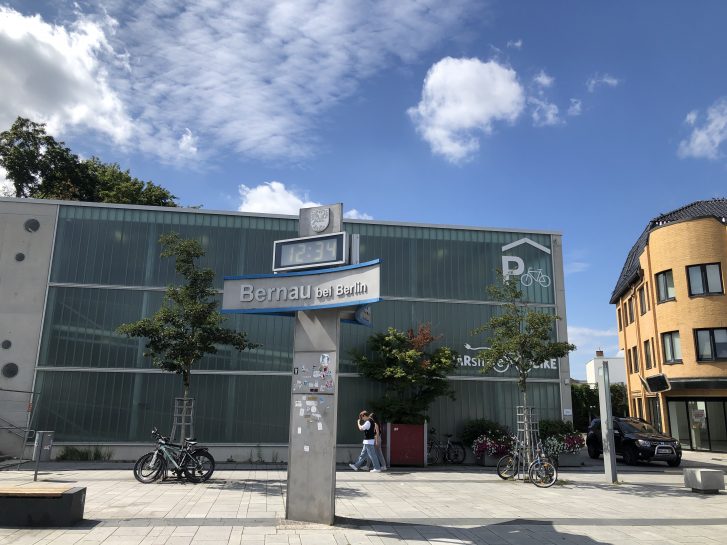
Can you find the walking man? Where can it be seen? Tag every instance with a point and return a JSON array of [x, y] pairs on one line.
[[368, 451]]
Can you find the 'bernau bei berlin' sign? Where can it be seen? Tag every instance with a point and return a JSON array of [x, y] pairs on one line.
[[352, 285]]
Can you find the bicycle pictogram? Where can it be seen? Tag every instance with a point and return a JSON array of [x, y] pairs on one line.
[[535, 275]]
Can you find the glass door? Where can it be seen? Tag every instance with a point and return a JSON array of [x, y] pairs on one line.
[[699, 432], [679, 422], [717, 425]]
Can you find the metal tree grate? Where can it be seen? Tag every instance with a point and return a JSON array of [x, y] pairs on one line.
[[183, 422], [528, 436]]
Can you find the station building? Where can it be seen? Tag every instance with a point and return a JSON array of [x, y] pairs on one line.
[[71, 273], [671, 311]]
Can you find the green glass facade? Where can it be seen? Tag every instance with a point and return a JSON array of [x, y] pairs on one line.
[[96, 386]]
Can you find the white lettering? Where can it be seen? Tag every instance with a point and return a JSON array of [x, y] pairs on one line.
[[507, 270], [246, 293], [260, 294]]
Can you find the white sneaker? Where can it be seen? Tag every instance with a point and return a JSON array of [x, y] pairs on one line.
[[353, 467], [375, 471], [383, 468]]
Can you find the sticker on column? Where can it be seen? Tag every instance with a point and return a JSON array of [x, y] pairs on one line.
[[306, 448], [300, 430], [325, 359], [302, 412], [320, 426]]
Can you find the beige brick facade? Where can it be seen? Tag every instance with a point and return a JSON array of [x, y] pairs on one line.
[[673, 246]]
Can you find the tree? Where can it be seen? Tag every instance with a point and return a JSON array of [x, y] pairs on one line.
[[120, 187], [585, 405], [41, 167], [188, 325], [413, 377], [519, 336]]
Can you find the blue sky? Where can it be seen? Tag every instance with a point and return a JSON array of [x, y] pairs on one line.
[[581, 117]]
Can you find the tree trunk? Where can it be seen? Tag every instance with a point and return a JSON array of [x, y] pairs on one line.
[[185, 379]]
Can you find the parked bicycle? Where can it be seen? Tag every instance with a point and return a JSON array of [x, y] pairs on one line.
[[451, 451], [542, 472], [185, 460]]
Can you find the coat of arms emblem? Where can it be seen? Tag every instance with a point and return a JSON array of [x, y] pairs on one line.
[[319, 219]]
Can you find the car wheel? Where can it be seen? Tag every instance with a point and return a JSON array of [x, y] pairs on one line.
[[593, 451], [631, 456], [674, 463]]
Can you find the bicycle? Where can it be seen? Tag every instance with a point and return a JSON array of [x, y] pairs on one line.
[[535, 275], [451, 451], [542, 472], [194, 463]]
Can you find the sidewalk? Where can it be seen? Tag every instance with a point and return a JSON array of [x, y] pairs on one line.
[[469, 505]]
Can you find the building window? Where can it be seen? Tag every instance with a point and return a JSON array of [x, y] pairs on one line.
[[672, 347], [647, 354], [631, 310], [711, 344], [643, 306], [704, 279], [618, 315], [665, 286], [628, 361], [635, 358]]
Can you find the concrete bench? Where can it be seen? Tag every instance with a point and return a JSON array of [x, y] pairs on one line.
[[37, 505], [705, 481]]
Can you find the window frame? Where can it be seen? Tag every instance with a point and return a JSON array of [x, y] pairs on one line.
[[670, 336], [648, 361], [657, 277], [631, 310], [643, 304], [705, 279], [635, 358], [712, 344]]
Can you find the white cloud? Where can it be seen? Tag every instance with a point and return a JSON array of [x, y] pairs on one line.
[[515, 44], [544, 80], [250, 77], [463, 98], [188, 143], [6, 186], [573, 267], [587, 341], [600, 80], [705, 140], [274, 198], [575, 108], [544, 113], [356, 215], [60, 75]]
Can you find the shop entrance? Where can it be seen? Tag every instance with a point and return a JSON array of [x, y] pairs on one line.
[[699, 424]]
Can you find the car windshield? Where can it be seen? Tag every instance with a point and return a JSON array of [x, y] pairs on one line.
[[634, 426]]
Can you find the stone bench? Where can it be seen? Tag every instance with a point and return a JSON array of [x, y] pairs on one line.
[[37, 505], [705, 481]]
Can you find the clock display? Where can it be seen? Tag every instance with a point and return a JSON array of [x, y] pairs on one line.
[[309, 252]]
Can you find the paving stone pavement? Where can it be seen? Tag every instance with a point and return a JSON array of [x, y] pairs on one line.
[[466, 505]]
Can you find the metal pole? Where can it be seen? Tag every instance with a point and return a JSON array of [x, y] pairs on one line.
[[37, 450], [604, 397]]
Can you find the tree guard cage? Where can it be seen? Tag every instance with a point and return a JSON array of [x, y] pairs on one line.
[[528, 437], [183, 422]]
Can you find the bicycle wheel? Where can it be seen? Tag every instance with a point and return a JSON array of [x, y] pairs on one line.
[[434, 455], [455, 453], [507, 467], [146, 471], [542, 474], [526, 280], [199, 466]]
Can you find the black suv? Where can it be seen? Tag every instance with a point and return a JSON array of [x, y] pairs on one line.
[[635, 439]]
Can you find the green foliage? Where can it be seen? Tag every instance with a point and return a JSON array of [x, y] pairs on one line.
[[188, 325], [586, 405], [619, 400], [475, 428], [519, 335], [413, 377], [550, 428], [96, 453], [41, 167]]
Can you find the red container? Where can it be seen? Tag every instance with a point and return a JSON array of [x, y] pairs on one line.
[[406, 444]]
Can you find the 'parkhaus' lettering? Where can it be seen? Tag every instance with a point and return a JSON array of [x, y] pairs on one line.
[[249, 293]]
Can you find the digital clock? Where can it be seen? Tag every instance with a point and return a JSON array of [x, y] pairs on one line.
[[310, 252]]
